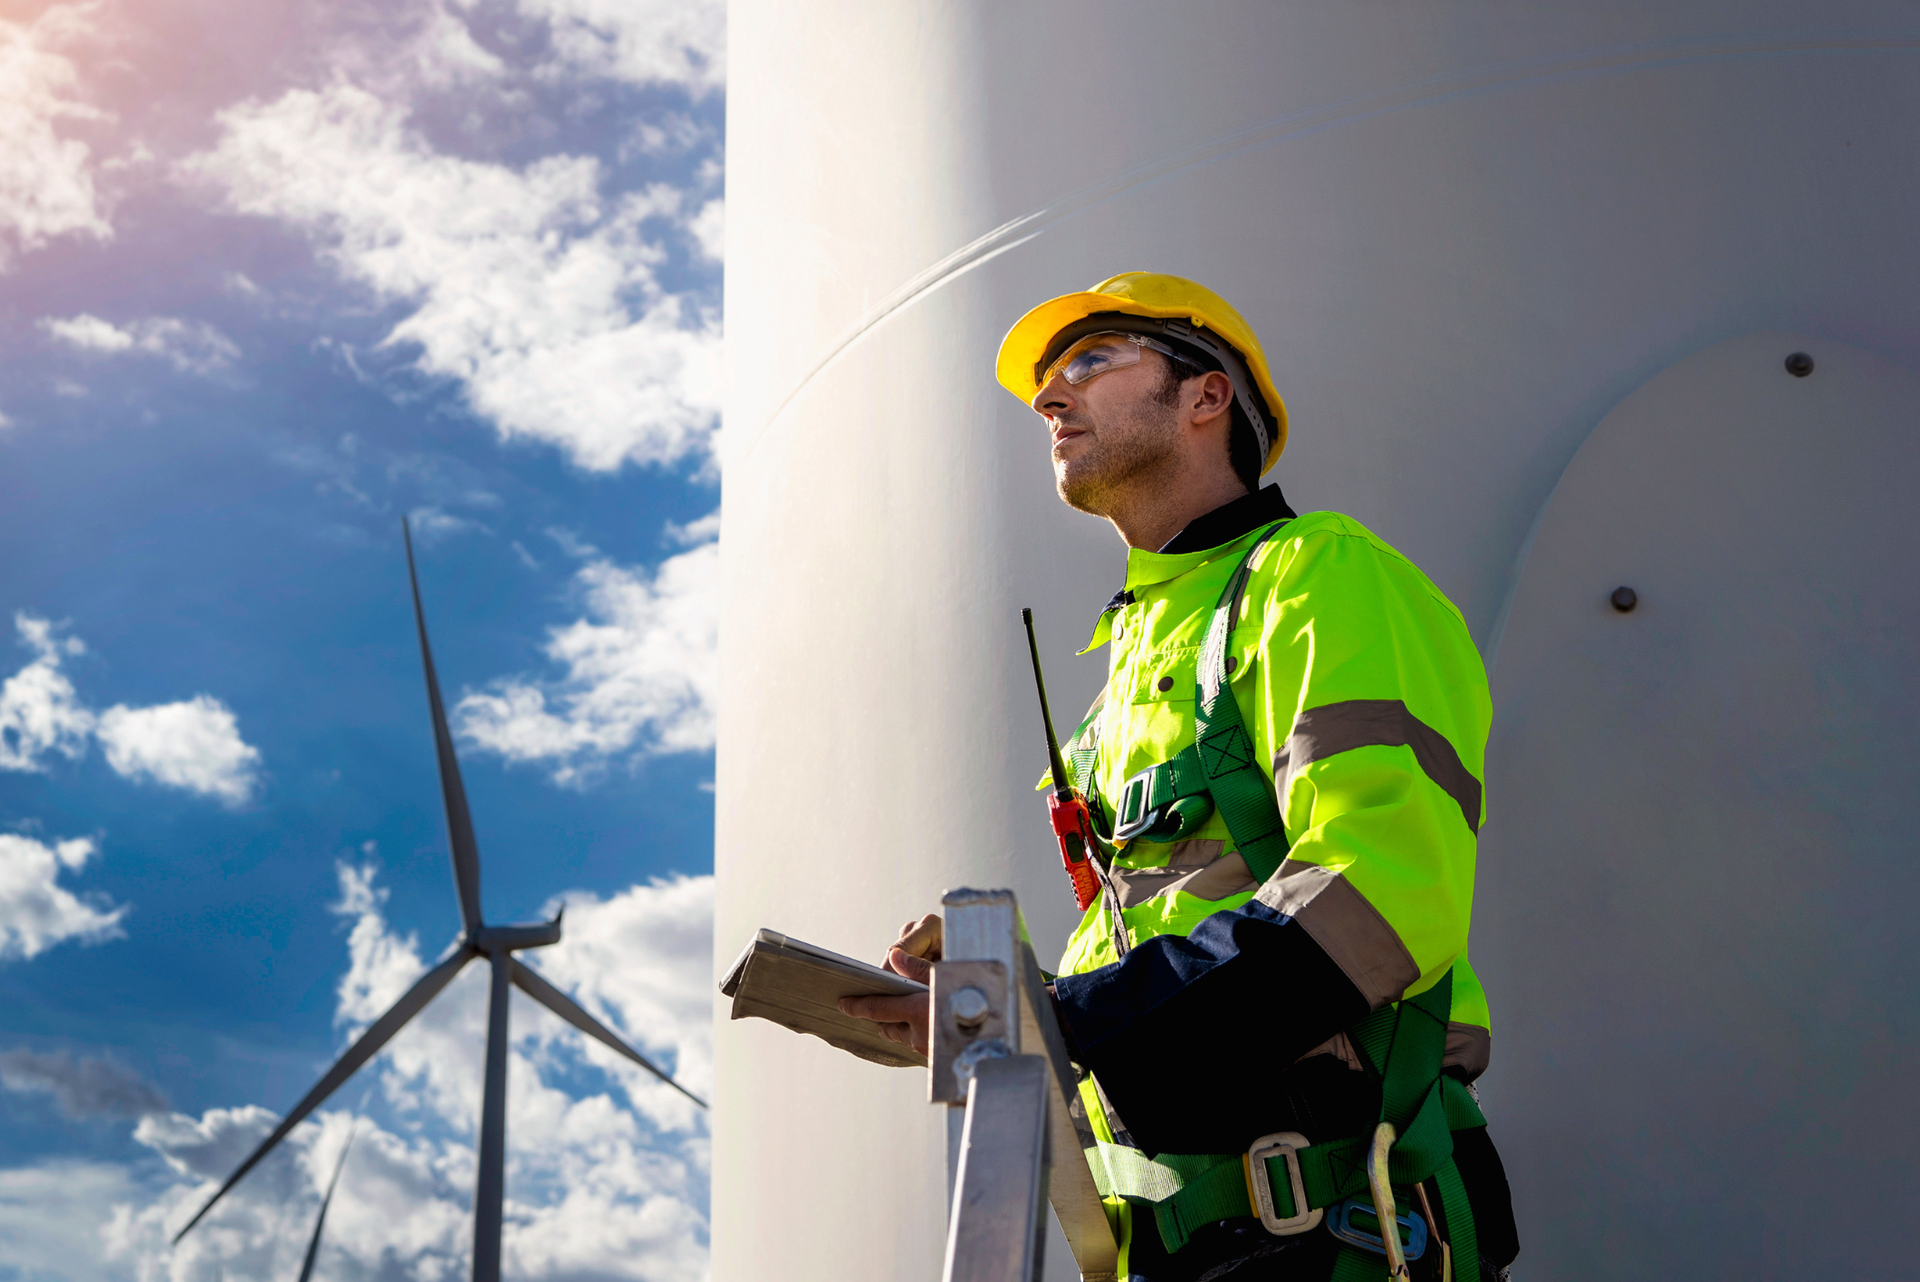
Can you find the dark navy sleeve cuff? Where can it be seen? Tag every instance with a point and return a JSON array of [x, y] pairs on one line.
[[1180, 1019]]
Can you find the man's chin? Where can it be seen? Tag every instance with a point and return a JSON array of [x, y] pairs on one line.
[[1079, 491]]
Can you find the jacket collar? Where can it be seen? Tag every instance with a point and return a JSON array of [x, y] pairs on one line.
[[1230, 520], [1193, 546]]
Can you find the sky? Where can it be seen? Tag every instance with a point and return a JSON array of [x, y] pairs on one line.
[[274, 276]]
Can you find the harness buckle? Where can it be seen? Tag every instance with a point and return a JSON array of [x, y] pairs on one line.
[[1134, 812], [1286, 1145], [1356, 1221], [1144, 809]]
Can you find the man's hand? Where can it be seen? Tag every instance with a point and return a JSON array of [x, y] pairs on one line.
[[904, 1019], [918, 939]]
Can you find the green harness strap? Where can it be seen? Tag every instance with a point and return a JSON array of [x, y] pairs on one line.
[[1241, 790], [1403, 1044]]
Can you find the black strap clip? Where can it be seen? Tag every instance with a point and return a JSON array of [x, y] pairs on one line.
[[1150, 808]]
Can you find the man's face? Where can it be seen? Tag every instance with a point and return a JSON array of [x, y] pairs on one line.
[[1110, 430]]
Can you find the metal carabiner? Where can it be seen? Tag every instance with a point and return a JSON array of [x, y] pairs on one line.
[[1446, 1247], [1382, 1186]]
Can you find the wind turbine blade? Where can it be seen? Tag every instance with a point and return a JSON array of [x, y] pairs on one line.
[[359, 1053], [566, 1008], [466, 851], [320, 1221]]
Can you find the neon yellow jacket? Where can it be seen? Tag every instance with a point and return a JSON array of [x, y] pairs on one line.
[[1366, 696]]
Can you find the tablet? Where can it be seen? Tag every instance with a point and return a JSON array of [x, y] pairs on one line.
[[798, 985]]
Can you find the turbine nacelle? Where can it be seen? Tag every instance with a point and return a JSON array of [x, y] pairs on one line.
[[506, 939]]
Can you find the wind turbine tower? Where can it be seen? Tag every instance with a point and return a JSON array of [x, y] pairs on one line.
[[1605, 313]]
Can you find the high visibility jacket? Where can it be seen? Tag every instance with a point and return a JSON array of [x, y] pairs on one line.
[[1367, 700]]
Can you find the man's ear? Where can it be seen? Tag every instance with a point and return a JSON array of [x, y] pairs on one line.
[[1210, 398]]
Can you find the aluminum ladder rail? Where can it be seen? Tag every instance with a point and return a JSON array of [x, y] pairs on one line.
[[1015, 1133]]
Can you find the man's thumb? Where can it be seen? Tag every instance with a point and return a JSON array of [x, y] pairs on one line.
[[902, 962]]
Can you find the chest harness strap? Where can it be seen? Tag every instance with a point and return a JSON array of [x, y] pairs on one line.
[[1171, 800], [1402, 1043]]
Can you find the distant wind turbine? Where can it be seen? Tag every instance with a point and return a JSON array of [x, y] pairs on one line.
[[495, 943], [320, 1220]]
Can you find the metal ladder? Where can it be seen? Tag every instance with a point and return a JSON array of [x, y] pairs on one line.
[[1015, 1131]]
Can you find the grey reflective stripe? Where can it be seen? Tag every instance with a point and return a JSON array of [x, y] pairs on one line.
[[1087, 734], [1469, 1048], [1094, 707], [1334, 728], [1348, 928], [1194, 867], [1340, 1046], [1082, 748]]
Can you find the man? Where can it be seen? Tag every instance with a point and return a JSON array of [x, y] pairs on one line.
[[1286, 764]]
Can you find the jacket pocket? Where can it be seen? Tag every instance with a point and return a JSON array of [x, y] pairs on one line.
[[1167, 676]]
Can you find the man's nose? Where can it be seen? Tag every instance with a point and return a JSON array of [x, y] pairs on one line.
[[1054, 399]]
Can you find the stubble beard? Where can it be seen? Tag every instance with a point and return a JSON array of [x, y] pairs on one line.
[[1124, 455]]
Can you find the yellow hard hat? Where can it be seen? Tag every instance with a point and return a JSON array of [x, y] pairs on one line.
[[1180, 308]]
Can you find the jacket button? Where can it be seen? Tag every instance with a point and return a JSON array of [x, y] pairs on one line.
[[1233, 661], [1166, 684]]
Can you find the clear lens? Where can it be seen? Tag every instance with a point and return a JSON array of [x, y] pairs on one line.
[[1093, 355], [1098, 353]]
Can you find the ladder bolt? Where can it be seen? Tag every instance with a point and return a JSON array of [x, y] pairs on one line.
[[970, 1006]]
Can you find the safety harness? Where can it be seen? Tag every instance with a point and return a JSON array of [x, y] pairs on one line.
[[1289, 1184]]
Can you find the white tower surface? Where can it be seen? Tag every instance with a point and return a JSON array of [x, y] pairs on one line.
[[1528, 276]]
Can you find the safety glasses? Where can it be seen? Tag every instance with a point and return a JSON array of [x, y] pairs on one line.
[[1097, 353]]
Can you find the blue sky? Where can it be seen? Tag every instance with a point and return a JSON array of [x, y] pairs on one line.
[[271, 277]]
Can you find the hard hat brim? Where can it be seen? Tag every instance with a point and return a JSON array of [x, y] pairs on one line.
[[1030, 336]]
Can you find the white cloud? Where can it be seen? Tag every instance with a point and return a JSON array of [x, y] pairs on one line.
[[641, 674], [50, 1215], [594, 1188], [709, 228], [642, 961], [36, 912], [194, 744], [88, 332], [530, 287], [665, 135], [431, 524], [639, 41], [40, 713], [261, 1235], [380, 964], [703, 529], [193, 347], [46, 182], [443, 51]]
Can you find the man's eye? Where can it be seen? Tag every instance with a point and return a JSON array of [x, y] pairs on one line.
[[1087, 364]]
